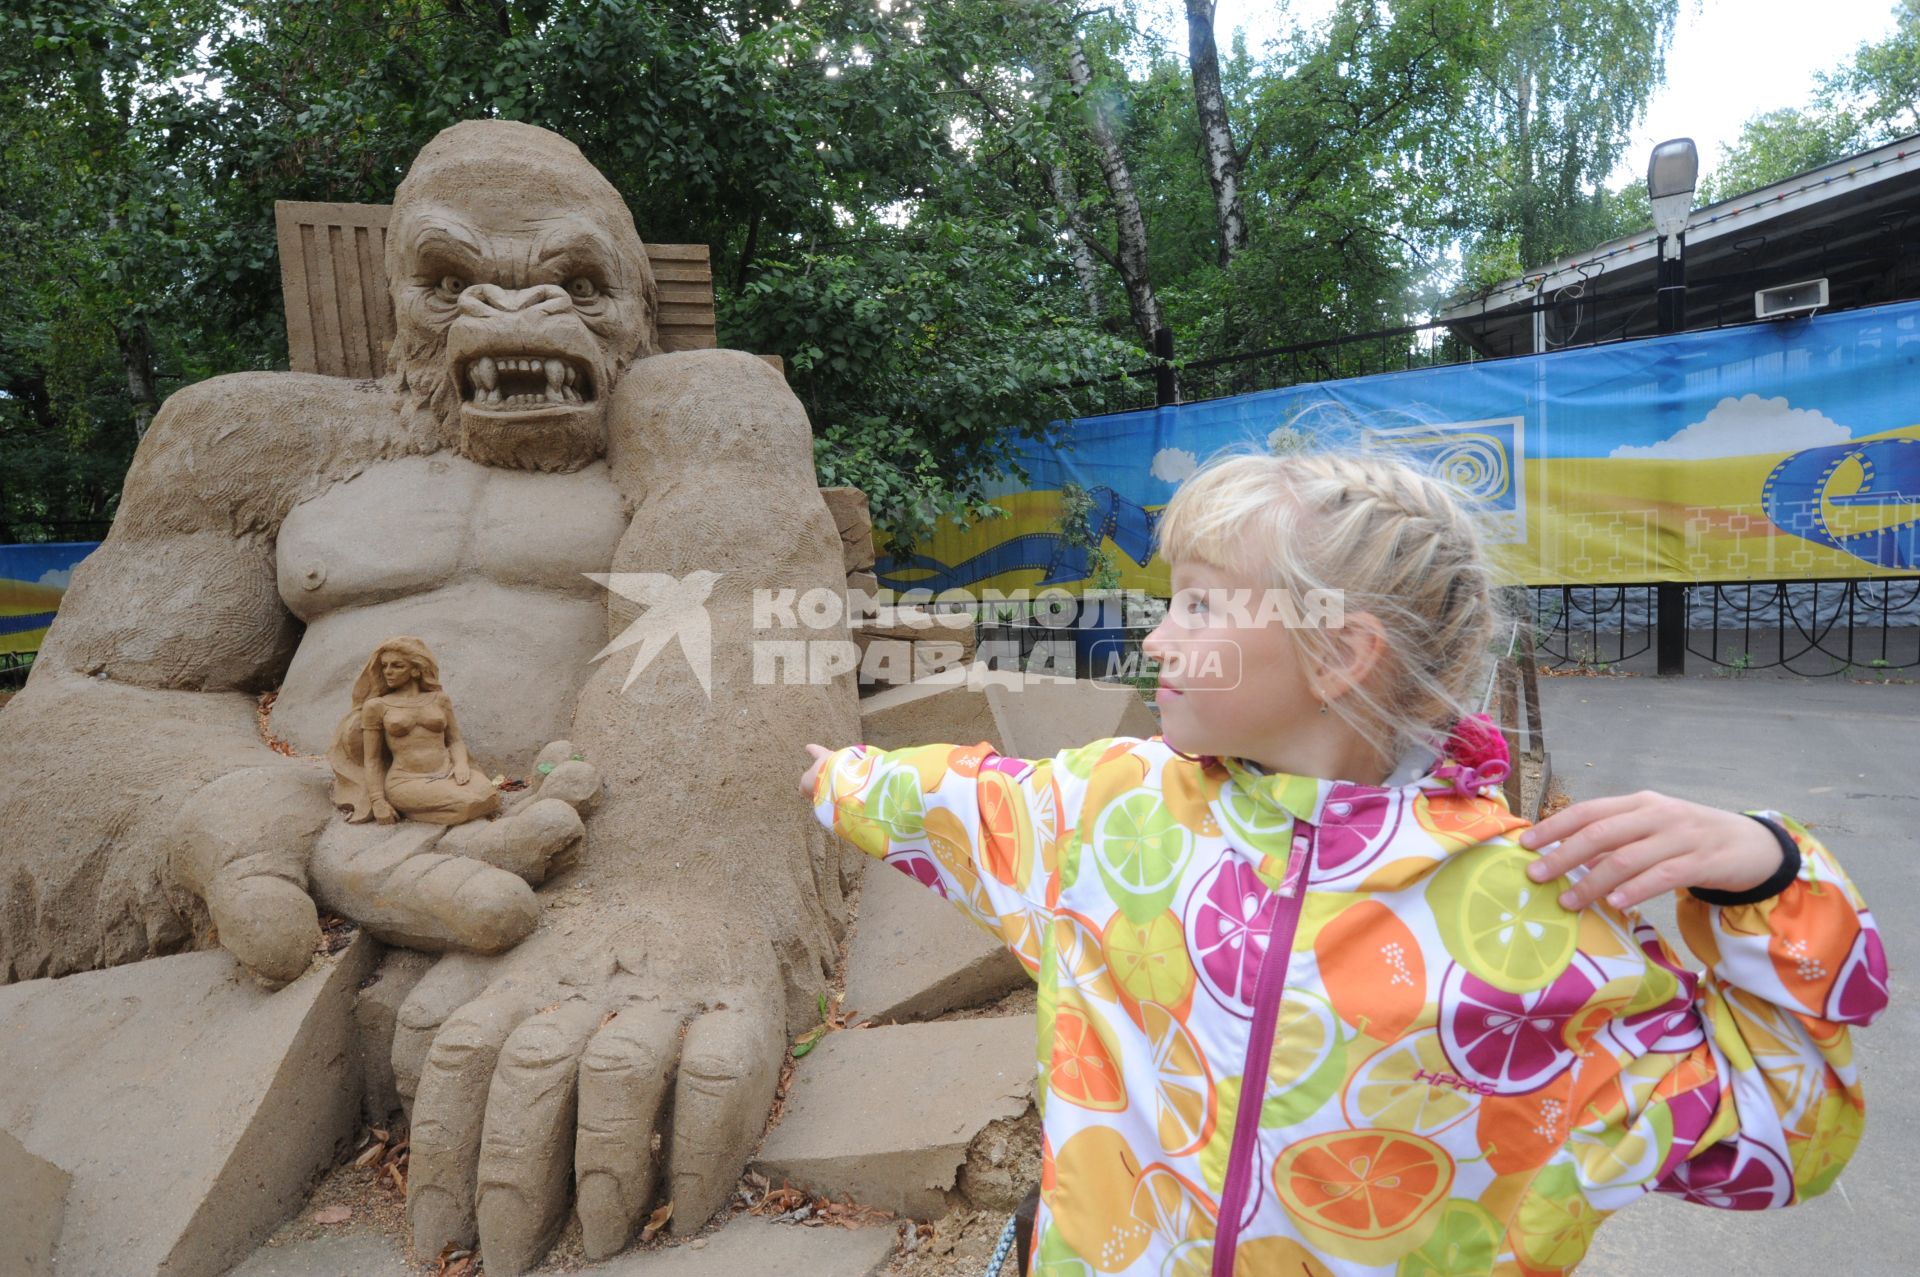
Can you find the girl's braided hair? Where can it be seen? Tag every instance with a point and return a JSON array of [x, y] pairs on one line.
[[1395, 541]]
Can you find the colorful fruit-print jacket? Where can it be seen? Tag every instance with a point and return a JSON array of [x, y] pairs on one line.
[[1455, 1075]]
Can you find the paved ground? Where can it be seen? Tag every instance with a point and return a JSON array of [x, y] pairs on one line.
[[1845, 759]]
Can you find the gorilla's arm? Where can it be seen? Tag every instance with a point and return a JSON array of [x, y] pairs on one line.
[[177, 615], [716, 904], [182, 593]]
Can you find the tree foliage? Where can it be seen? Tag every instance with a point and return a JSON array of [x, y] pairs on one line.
[[904, 198], [1871, 99]]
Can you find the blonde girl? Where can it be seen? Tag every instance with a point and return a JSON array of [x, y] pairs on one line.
[[1309, 1000]]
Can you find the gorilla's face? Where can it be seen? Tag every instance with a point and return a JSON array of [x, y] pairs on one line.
[[521, 293]]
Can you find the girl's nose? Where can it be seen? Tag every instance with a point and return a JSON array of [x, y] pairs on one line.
[[1153, 644]]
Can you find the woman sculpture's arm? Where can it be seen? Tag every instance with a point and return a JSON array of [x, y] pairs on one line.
[[456, 744]]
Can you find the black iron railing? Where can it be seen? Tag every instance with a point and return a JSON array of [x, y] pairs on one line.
[[1817, 629]]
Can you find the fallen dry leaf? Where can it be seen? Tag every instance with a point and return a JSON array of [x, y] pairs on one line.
[[333, 1215], [656, 1222], [454, 1260]]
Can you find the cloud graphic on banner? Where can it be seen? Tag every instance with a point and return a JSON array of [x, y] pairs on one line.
[[58, 578], [1174, 464], [1743, 427]]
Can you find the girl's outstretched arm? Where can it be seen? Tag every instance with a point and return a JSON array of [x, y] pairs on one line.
[[981, 829], [1770, 1100]]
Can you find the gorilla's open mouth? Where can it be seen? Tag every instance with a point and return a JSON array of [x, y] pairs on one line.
[[520, 383]]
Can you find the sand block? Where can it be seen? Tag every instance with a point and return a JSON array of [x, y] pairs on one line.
[[191, 1109], [848, 506], [1021, 715], [888, 1116], [915, 956]]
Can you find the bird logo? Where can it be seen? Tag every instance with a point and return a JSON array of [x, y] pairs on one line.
[[675, 609]]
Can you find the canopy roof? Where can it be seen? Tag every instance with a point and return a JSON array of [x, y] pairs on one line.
[[1855, 223]]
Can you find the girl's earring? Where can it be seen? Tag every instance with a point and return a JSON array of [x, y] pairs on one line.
[[1323, 707]]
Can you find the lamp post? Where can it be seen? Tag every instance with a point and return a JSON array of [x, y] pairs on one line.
[[1671, 176]]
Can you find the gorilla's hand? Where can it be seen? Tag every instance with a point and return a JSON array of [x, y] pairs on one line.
[[467, 886], [262, 845], [553, 1067]]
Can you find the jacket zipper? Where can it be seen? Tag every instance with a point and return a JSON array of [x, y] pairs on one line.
[[1269, 991]]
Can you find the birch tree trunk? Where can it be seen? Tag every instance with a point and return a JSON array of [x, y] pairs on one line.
[[1079, 238], [1131, 259], [1216, 133]]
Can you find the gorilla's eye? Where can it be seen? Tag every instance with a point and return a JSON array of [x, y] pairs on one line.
[[582, 288], [452, 285]]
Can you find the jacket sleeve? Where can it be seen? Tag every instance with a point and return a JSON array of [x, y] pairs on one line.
[[982, 830], [1779, 1093]]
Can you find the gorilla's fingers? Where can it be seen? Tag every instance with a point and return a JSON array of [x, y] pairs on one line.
[[525, 843], [267, 923], [526, 1152], [729, 1068], [624, 1079], [396, 883], [447, 1117], [450, 984]]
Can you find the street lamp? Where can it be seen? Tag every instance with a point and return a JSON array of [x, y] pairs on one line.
[[1671, 175]]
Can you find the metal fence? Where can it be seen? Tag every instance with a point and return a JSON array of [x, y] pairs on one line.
[[1816, 629]]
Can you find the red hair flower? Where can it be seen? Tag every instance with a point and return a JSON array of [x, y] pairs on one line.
[[1480, 752]]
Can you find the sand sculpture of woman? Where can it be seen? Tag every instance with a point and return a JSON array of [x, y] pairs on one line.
[[399, 749]]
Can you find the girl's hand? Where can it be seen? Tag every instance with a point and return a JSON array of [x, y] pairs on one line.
[[1641, 845], [811, 776], [462, 773]]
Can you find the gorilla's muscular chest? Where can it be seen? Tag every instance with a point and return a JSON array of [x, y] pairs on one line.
[[485, 565]]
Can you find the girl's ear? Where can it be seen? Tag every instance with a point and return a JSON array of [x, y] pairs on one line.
[[1359, 647]]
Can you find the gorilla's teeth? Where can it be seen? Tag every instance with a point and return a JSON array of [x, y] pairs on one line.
[[556, 377], [485, 375]]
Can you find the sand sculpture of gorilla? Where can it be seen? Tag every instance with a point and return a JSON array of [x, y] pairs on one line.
[[276, 527]]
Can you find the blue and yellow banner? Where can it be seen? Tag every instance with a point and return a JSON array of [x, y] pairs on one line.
[[1781, 451], [32, 579]]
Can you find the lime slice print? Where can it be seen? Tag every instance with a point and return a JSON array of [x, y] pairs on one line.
[[899, 804], [1500, 924], [1399, 1088], [1308, 1060], [1555, 1224], [1251, 823], [1465, 1241], [1141, 850], [1150, 959], [1618, 1157]]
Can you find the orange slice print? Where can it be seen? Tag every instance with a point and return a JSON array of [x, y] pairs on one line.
[[1082, 1070], [1370, 1196]]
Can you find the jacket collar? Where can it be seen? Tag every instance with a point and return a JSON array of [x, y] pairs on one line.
[[1302, 797]]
